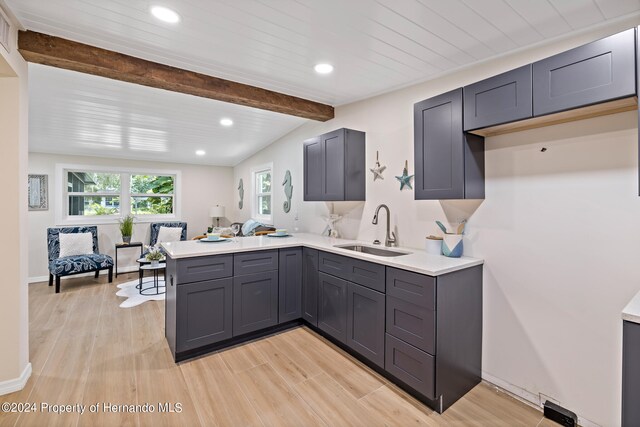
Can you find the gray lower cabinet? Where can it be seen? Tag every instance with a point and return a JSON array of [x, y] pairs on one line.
[[500, 99], [365, 322], [204, 313], [630, 374], [334, 166], [434, 332], [290, 284], [449, 164], [255, 302], [414, 367], [596, 72], [332, 306], [310, 285]]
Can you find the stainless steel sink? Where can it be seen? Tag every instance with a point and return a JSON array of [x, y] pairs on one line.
[[372, 250]]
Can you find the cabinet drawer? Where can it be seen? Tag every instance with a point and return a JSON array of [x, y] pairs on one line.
[[410, 365], [596, 72], [412, 323], [361, 272], [367, 274], [336, 265], [412, 287], [204, 268], [255, 262], [499, 99]]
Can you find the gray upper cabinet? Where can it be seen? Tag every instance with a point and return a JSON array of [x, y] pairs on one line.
[[332, 306], [290, 285], [596, 72], [334, 166], [255, 302], [499, 99], [365, 322], [449, 164], [310, 285]]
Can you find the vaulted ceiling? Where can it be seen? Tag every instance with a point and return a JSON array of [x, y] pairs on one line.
[[375, 46]]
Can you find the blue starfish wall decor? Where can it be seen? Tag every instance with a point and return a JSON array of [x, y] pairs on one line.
[[405, 179]]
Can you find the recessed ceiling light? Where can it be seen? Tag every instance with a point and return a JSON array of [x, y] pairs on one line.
[[165, 14], [323, 68], [226, 122], [200, 152]]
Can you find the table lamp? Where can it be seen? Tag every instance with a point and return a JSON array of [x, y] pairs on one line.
[[217, 212]]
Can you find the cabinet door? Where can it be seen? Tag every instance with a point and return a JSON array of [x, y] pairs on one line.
[[290, 285], [500, 99], [310, 286], [630, 374], [255, 302], [596, 72], [365, 322], [333, 163], [332, 306], [313, 169], [438, 147], [203, 314]]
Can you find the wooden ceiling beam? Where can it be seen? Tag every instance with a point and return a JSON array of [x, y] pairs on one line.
[[58, 52]]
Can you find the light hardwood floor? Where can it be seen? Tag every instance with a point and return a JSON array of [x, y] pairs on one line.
[[86, 349]]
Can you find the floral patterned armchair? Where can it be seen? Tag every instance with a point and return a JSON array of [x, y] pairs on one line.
[[155, 229], [76, 264]]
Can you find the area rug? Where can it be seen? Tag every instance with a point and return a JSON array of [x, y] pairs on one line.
[[128, 290]]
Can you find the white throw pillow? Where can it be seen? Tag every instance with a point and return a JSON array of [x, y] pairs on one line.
[[169, 234], [72, 244]]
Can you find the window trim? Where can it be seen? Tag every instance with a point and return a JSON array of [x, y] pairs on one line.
[[265, 219], [61, 198]]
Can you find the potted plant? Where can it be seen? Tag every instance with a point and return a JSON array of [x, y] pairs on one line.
[[154, 256], [126, 228]]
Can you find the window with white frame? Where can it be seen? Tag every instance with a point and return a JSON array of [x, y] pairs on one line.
[[262, 200], [92, 194]]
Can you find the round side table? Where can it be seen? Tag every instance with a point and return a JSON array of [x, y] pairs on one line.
[[156, 288]]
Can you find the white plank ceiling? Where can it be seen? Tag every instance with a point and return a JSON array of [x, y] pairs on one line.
[[75, 113], [375, 46]]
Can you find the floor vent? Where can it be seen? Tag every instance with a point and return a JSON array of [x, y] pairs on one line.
[[4, 31], [561, 415]]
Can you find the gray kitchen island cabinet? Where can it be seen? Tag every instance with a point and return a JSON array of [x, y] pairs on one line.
[[449, 163], [255, 302], [334, 166], [204, 313]]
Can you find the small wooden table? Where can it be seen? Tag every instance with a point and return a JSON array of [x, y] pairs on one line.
[[125, 246]]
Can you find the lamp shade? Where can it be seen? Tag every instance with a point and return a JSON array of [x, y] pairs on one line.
[[216, 211]]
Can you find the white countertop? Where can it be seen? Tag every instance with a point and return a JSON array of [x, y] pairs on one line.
[[632, 311], [417, 260]]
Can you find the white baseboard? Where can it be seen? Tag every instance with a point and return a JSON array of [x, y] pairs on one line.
[[16, 384], [532, 399], [37, 279]]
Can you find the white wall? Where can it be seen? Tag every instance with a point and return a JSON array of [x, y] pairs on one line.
[[556, 230], [14, 316], [200, 188]]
